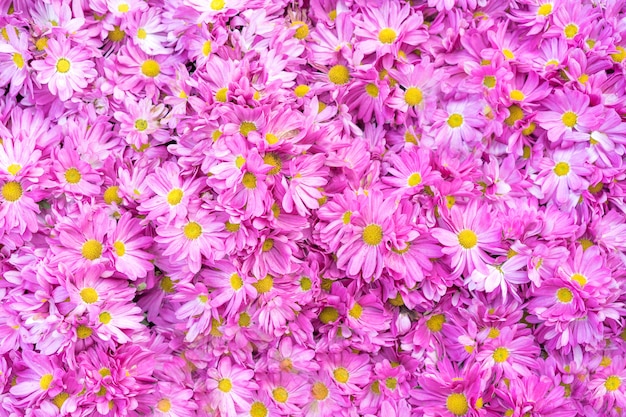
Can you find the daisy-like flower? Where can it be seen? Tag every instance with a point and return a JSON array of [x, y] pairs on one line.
[[18, 209], [384, 29], [410, 170], [66, 69], [562, 176], [140, 122], [419, 85], [608, 386], [457, 127], [363, 252], [537, 16], [325, 398], [173, 401], [288, 392], [567, 117], [504, 276], [40, 376], [129, 246], [535, 395], [307, 177], [350, 372], [148, 32], [190, 238], [89, 291], [119, 322], [468, 234], [230, 287], [230, 388], [526, 91], [14, 62], [174, 196], [75, 176], [509, 355], [196, 309]]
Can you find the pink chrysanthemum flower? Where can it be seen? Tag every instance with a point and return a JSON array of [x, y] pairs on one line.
[[120, 322], [230, 288], [567, 117], [410, 170], [75, 176], [307, 177], [18, 209], [67, 68], [562, 177], [14, 62], [89, 291], [469, 233], [200, 234], [325, 399], [363, 252], [509, 355], [230, 388], [140, 122], [40, 376], [349, 372], [129, 244]]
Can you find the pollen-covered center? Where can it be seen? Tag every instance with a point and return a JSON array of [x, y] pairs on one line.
[[268, 245], [280, 394], [83, 332], [435, 323], [612, 383], [150, 68], [12, 191], [500, 355], [580, 279], [517, 95], [489, 81], [545, 9], [372, 90], [467, 238], [274, 160], [258, 409], [341, 375], [119, 247], [63, 65], [413, 96], [564, 295], [302, 31], [345, 219], [249, 180], [13, 169], [328, 314], [225, 385], [339, 75], [246, 127], [111, 195], [89, 295], [92, 249], [455, 120], [515, 113], [175, 196], [387, 35], [141, 125], [570, 30], [373, 234], [105, 317], [45, 381], [356, 311], [235, 281], [72, 176], [319, 391], [569, 118], [561, 169], [456, 403], [192, 230], [164, 405], [264, 285]]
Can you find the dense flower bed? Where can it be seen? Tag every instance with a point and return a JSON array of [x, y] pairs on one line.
[[312, 208]]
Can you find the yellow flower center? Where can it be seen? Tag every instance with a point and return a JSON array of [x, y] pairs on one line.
[[72, 176], [192, 230], [341, 375], [328, 314], [561, 169], [489, 81], [517, 95], [274, 160], [435, 323], [41, 44], [501, 354], [371, 90], [225, 385], [373, 234], [217, 4], [207, 48], [346, 217], [12, 191], [302, 31], [123, 8], [104, 317], [13, 169], [332, 15], [301, 90], [545, 9], [104, 372], [268, 245], [60, 399], [120, 248], [612, 383], [467, 238], [264, 285], [319, 391], [164, 405], [356, 311], [586, 243], [111, 195], [232, 227], [63, 65], [280, 394], [529, 131], [391, 383], [235, 281], [564, 295], [45, 381], [141, 124], [92, 249], [115, 35], [305, 283], [167, 285], [569, 118], [387, 35], [221, 95], [249, 180], [515, 113], [83, 332], [606, 361], [258, 409], [580, 279], [413, 96], [246, 127], [18, 60], [570, 30], [175, 196], [150, 68], [455, 120], [339, 75], [244, 320], [620, 55], [508, 54], [457, 404], [89, 295]]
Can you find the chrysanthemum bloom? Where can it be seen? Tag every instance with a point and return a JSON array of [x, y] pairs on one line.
[[288, 356], [288, 392], [307, 177], [562, 176], [192, 237], [230, 287], [505, 276], [140, 122], [567, 117], [14, 62], [608, 386], [230, 388], [129, 246], [363, 252], [38, 377], [120, 322], [140, 71], [349, 372], [410, 171], [509, 355], [174, 195], [469, 233], [535, 395], [18, 209], [66, 69], [89, 291], [384, 29], [148, 32], [336, 216], [324, 397]]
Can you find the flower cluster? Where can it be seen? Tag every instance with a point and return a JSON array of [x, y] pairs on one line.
[[313, 208]]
